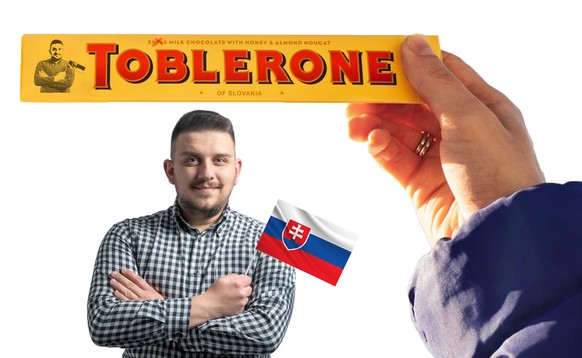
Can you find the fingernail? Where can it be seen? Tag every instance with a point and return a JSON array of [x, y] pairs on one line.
[[418, 44]]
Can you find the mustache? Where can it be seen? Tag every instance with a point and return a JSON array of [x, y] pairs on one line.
[[205, 184]]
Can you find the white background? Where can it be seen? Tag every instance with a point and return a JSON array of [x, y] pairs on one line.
[[69, 171]]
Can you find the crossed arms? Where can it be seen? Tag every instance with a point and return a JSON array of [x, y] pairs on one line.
[[236, 314]]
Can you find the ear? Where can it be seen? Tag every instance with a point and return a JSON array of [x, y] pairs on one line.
[[169, 170], [237, 169]]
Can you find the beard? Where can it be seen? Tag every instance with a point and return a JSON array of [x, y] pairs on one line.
[[202, 207]]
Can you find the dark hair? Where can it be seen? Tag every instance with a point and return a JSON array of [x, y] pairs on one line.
[[200, 121], [55, 41]]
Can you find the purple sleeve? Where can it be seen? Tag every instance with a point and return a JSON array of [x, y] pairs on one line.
[[509, 283]]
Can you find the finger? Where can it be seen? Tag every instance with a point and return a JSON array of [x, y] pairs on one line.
[[413, 115], [122, 283], [245, 280], [355, 109], [119, 290], [135, 278], [247, 291], [396, 158], [507, 113], [115, 284], [359, 127], [121, 296], [452, 103], [362, 126]]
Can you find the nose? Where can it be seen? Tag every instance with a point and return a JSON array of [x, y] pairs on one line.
[[206, 170]]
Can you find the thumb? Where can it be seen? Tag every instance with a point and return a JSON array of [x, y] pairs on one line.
[[439, 88]]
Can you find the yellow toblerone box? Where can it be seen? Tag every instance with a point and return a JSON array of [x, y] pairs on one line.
[[214, 68]]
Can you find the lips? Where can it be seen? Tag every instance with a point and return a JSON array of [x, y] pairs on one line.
[[205, 186]]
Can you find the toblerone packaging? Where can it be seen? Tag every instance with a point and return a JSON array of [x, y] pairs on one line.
[[217, 68]]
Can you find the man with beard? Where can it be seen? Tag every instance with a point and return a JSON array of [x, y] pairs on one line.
[[54, 74], [185, 282]]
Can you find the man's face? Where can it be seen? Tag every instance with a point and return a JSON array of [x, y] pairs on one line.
[[56, 51], [204, 171]]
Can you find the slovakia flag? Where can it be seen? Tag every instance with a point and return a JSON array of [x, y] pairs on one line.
[[307, 242]]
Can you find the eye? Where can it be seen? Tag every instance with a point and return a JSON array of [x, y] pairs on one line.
[[221, 160], [192, 161]]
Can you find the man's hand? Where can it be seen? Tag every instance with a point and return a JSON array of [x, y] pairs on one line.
[[482, 152], [227, 296], [42, 74], [128, 285]]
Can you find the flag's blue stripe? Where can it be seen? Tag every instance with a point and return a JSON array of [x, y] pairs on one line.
[[315, 245]]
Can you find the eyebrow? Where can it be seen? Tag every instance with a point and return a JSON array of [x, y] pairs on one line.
[[192, 153]]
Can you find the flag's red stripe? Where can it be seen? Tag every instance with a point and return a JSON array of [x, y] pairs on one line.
[[299, 259]]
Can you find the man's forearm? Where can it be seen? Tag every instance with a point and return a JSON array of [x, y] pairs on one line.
[[258, 330], [136, 323], [199, 312]]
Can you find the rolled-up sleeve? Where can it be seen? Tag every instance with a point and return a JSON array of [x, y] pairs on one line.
[[509, 283]]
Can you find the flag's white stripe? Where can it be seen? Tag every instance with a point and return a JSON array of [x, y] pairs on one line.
[[319, 227]]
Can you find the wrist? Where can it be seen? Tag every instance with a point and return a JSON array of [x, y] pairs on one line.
[[200, 311]]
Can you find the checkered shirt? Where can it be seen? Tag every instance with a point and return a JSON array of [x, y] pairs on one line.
[[179, 262]]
